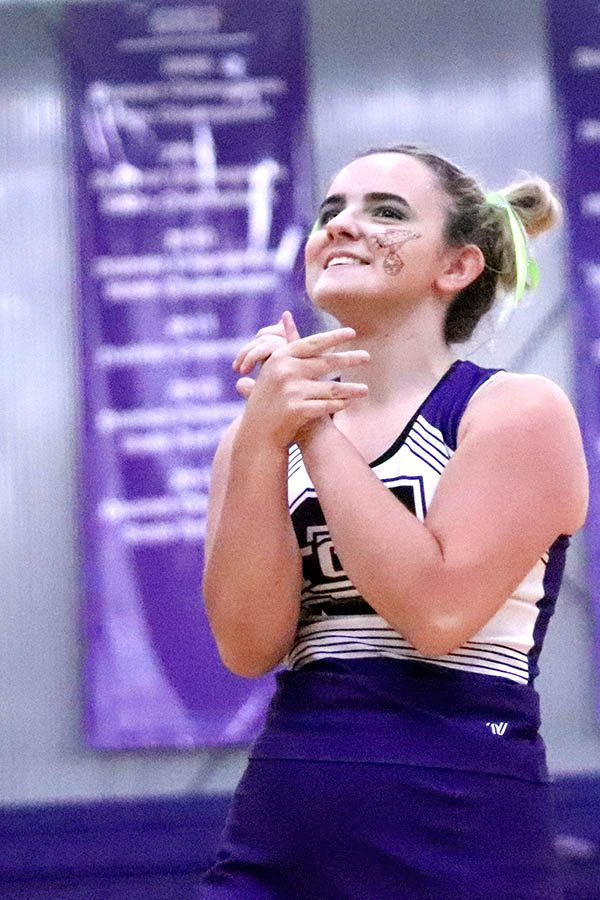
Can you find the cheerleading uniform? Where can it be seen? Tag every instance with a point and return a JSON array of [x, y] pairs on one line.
[[382, 772]]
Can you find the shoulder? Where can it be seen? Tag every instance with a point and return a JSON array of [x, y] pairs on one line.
[[513, 398], [529, 420]]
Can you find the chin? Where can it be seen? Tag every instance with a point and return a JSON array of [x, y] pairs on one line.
[[335, 302]]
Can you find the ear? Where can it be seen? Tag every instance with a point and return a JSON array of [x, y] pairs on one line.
[[460, 266]]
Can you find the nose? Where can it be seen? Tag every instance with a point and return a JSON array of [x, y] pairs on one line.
[[343, 224]]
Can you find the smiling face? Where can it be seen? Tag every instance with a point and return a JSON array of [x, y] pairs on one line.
[[379, 238]]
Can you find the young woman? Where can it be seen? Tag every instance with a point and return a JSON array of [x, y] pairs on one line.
[[414, 513]]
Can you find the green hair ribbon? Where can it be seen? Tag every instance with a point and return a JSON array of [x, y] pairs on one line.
[[526, 267], [316, 227]]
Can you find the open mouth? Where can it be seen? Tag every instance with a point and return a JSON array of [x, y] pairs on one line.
[[343, 259]]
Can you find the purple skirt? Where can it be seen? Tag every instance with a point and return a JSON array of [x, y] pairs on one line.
[[301, 830], [341, 827]]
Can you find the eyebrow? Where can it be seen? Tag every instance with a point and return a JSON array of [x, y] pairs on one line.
[[373, 197]]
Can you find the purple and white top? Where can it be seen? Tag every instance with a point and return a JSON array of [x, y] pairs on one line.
[[355, 690], [337, 623]]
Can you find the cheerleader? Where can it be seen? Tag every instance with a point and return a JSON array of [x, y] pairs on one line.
[[390, 523]]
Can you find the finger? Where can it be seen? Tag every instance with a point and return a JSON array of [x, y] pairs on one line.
[[278, 329], [260, 352], [260, 348], [334, 390], [291, 332], [316, 344], [245, 386], [328, 363], [313, 409], [235, 365]]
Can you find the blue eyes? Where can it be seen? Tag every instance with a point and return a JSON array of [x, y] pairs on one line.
[[376, 212]]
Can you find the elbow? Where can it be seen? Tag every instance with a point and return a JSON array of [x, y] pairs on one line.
[[446, 621], [210, 585], [251, 642], [246, 665], [438, 638], [432, 647], [241, 652], [246, 669]]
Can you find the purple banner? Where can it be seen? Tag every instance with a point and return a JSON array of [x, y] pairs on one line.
[[574, 29], [193, 193]]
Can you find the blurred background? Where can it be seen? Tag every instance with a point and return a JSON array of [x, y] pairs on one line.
[[470, 78]]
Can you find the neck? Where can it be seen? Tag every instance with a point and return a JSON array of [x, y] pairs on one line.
[[407, 356]]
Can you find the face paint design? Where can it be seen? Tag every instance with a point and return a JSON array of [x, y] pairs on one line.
[[392, 241], [392, 264]]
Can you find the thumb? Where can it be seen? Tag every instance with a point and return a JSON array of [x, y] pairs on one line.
[[245, 386], [291, 332]]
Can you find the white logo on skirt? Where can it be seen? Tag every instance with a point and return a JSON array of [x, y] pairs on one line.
[[497, 727]]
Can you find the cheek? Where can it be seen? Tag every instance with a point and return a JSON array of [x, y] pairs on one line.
[[392, 264], [311, 260], [388, 244], [314, 244]]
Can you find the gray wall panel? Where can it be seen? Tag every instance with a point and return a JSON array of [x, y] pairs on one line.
[[470, 78]]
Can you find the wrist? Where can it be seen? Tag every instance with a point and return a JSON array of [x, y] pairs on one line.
[[253, 436], [318, 435]]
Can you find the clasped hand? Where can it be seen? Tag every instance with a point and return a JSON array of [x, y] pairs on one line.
[[293, 389]]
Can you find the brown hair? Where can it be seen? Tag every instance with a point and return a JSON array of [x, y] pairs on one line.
[[471, 220]]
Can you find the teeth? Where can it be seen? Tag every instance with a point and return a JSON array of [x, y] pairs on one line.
[[344, 261]]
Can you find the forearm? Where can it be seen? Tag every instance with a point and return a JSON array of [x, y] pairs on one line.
[[391, 557], [252, 572], [503, 499]]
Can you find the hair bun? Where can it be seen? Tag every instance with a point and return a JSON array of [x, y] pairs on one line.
[[535, 203]]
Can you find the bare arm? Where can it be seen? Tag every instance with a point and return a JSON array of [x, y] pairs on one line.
[[516, 481], [252, 571], [253, 566]]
